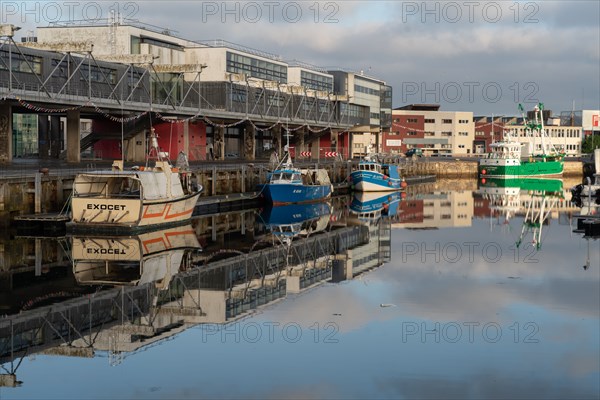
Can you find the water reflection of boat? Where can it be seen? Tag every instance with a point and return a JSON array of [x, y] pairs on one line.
[[527, 184], [375, 205], [132, 260], [296, 219], [535, 198]]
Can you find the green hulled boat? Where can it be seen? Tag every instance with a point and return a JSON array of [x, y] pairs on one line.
[[505, 160]]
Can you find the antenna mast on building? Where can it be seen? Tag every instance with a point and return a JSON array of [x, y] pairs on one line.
[[112, 33]]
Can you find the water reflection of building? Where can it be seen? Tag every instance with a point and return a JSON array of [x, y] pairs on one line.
[[121, 316], [437, 209], [374, 212]]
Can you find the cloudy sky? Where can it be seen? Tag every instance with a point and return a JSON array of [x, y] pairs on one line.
[[480, 56]]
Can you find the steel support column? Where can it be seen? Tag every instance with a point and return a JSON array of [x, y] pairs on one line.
[[249, 142], [5, 133], [73, 137]]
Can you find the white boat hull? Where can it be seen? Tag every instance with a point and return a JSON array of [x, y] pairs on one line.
[[96, 213], [364, 186]]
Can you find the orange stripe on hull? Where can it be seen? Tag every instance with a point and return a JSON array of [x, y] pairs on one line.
[[146, 215], [180, 214], [166, 239]]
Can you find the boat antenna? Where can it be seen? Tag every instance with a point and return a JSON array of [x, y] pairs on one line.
[[287, 158]]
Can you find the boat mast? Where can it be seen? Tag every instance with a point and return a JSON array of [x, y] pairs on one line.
[[540, 125]]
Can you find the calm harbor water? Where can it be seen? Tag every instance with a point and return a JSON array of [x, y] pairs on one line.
[[426, 296]]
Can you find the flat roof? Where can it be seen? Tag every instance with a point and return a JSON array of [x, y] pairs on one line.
[[420, 107]]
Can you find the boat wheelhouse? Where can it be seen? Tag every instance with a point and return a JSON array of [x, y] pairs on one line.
[[375, 176]]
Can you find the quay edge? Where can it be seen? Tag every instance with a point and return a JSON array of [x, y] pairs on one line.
[[46, 192]]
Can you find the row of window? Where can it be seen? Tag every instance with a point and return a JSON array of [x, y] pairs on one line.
[[33, 64], [261, 69], [431, 121], [353, 110], [316, 81], [21, 63], [366, 90]]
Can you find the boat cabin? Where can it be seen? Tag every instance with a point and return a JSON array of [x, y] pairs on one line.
[[504, 150], [369, 166], [286, 176]]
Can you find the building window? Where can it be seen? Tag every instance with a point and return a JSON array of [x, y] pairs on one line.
[[429, 121], [316, 81], [261, 69], [446, 121], [463, 121], [411, 120], [99, 74], [135, 45], [22, 63], [366, 90], [446, 133]]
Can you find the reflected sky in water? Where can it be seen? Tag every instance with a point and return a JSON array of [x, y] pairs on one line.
[[456, 313]]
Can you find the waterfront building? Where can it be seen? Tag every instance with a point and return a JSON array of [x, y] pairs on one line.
[[590, 122], [245, 79], [368, 110], [426, 127]]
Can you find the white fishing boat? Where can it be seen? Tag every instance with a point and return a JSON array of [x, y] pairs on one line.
[[142, 198]]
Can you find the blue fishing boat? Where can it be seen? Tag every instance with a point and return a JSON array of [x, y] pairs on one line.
[[294, 220], [372, 206], [375, 176], [290, 185]]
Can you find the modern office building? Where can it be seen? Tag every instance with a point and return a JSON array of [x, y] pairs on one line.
[[590, 122], [426, 127], [246, 81], [368, 109], [565, 132]]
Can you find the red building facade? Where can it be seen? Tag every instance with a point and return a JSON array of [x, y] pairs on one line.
[[403, 127]]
